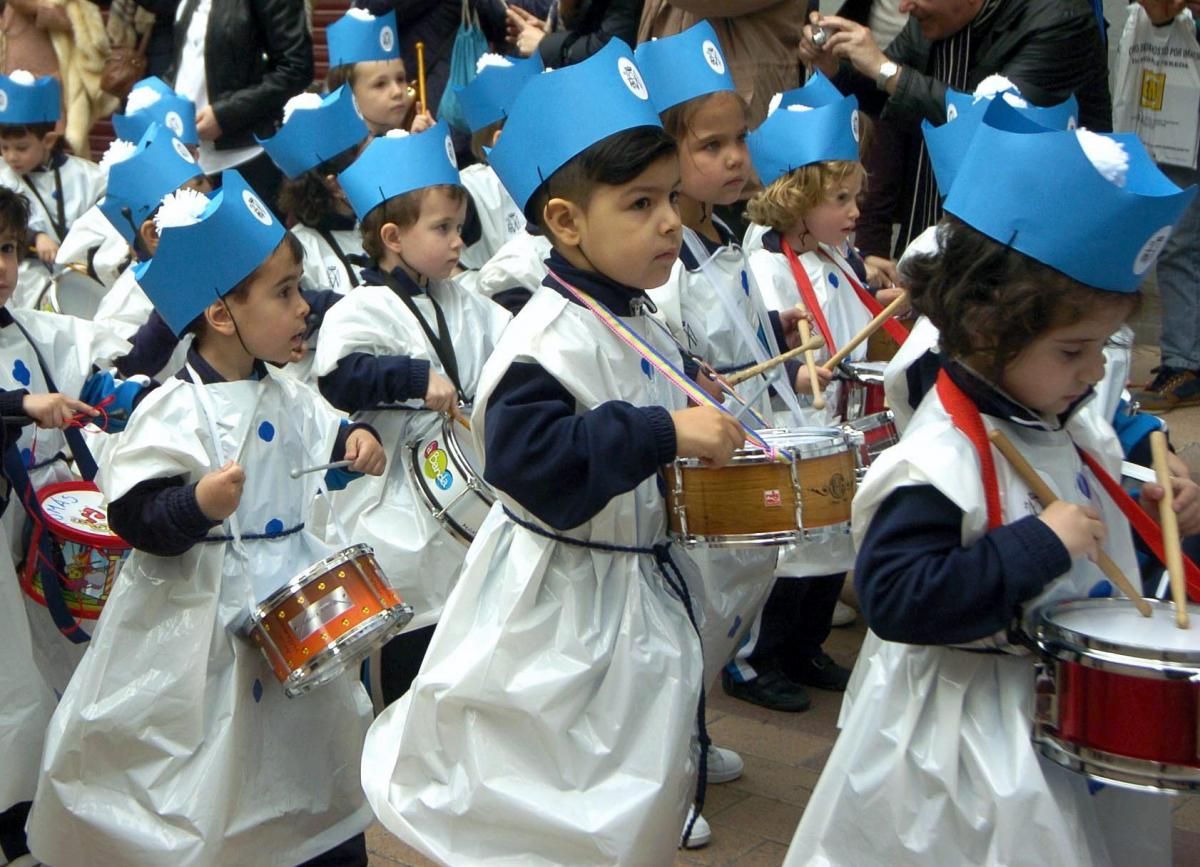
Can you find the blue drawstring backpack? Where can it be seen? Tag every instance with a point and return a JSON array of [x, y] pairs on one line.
[[469, 45]]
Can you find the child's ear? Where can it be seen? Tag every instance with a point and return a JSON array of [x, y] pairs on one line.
[[50, 139], [563, 219], [392, 237], [220, 318], [149, 235], [335, 189]]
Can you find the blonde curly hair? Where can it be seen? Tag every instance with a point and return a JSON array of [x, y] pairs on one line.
[[787, 200]]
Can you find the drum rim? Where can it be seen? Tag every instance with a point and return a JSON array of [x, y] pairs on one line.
[[888, 420], [837, 442], [74, 534], [352, 552], [347, 649], [1062, 642], [474, 482], [775, 538], [1124, 771]]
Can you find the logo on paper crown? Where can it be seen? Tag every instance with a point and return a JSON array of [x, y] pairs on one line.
[[632, 78], [255, 206], [1150, 250], [3, 101], [450, 155], [174, 122], [713, 58], [387, 38], [181, 149]]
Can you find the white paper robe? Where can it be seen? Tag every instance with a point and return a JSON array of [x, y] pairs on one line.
[[934, 766], [92, 231], [174, 743], [322, 267], [420, 558], [554, 716], [520, 262], [499, 216]]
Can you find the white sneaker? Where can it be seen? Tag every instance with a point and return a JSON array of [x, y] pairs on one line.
[[723, 765], [30, 861], [701, 834], [843, 614]]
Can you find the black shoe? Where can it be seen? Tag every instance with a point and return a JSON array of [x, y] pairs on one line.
[[1172, 387], [822, 672], [771, 690]]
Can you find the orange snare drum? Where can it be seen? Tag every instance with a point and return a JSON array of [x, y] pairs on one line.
[[756, 501], [326, 619], [77, 519]]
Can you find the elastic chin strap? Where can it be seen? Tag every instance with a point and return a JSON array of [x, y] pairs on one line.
[[412, 270], [236, 330]]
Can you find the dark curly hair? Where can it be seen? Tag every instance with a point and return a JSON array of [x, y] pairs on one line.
[[990, 301], [306, 198], [14, 214]]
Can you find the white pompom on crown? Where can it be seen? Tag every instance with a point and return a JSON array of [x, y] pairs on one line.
[[23, 77], [301, 102], [184, 207], [360, 14], [1108, 156], [396, 133], [119, 151], [141, 98], [491, 59]]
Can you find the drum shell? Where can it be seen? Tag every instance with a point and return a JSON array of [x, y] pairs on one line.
[[446, 480], [872, 436], [862, 393]]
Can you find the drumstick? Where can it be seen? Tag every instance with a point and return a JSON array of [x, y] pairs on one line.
[[1046, 496], [870, 328], [1170, 528], [750, 372], [810, 361], [335, 465], [457, 415], [421, 75]]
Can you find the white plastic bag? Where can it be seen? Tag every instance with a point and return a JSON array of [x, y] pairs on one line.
[[1156, 86]]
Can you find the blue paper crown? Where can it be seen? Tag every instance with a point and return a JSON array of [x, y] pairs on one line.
[[197, 264], [788, 140], [355, 40], [816, 92], [1013, 187], [177, 113], [313, 135], [560, 114], [684, 66], [392, 166], [136, 186], [1064, 115], [491, 93], [39, 102]]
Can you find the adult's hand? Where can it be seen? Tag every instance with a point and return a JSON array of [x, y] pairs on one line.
[[206, 124], [851, 41], [816, 56]]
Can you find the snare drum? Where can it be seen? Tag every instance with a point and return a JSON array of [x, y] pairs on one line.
[[443, 472], [757, 501], [326, 619], [871, 435], [862, 393], [1117, 694], [77, 520], [72, 292]]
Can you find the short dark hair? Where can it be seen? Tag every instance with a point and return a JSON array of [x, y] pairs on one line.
[[307, 198], [14, 214], [611, 161], [990, 301], [242, 289], [403, 210], [16, 130]]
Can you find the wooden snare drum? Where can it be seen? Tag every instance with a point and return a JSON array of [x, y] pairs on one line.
[[326, 619], [1118, 695], [757, 501]]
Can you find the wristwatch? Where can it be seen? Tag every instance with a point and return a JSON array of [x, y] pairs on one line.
[[886, 70]]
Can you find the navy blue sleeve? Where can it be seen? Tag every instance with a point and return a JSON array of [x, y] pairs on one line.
[[917, 584], [160, 516], [513, 299], [561, 466], [12, 407], [364, 381], [153, 344]]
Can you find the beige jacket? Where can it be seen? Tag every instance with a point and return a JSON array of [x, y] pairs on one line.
[[758, 37]]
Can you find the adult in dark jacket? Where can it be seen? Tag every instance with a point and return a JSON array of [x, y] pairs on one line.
[[1049, 48], [577, 29], [240, 61]]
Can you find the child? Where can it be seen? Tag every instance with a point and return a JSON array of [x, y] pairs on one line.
[[402, 348], [25, 696], [60, 188], [205, 760], [934, 764], [485, 103], [319, 138], [365, 54], [555, 715]]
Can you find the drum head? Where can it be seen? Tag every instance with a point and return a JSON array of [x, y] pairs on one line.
[[808, 442], [1114, 625], [74, 293], [78, 512]]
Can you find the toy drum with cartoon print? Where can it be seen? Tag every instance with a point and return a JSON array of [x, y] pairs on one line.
[[1118, 695], [871, 435], [77, 521], [861, 393], [326, 619], [444, 475], [755, 500]]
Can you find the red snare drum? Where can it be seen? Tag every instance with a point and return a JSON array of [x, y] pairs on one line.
[[77, 519], [871, 436], [1117, 696], [327, 618], [862, 393]]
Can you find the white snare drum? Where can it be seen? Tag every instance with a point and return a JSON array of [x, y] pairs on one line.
[[72, 292], [871, 435], [1117, 694], [862, 392], [757, 501], [443, 472]]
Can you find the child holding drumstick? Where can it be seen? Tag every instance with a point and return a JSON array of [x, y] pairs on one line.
[[955, 560], [173, 742]]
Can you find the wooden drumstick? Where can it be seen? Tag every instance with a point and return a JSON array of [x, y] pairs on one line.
[[815, 342], [456, 414], [810, 361], [421, 77], [1046, 496], [870, 328], [1170, 528]]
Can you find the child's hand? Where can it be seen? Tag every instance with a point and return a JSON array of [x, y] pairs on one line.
[[789, 323], [421, 122], [803, 383], [219, 492], [1078, 527], [365, 453], [1185, 502], [46, 247], [54, 410], [710, 382], [887, 296], [441, 395], [706, 433], [881, 273]]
